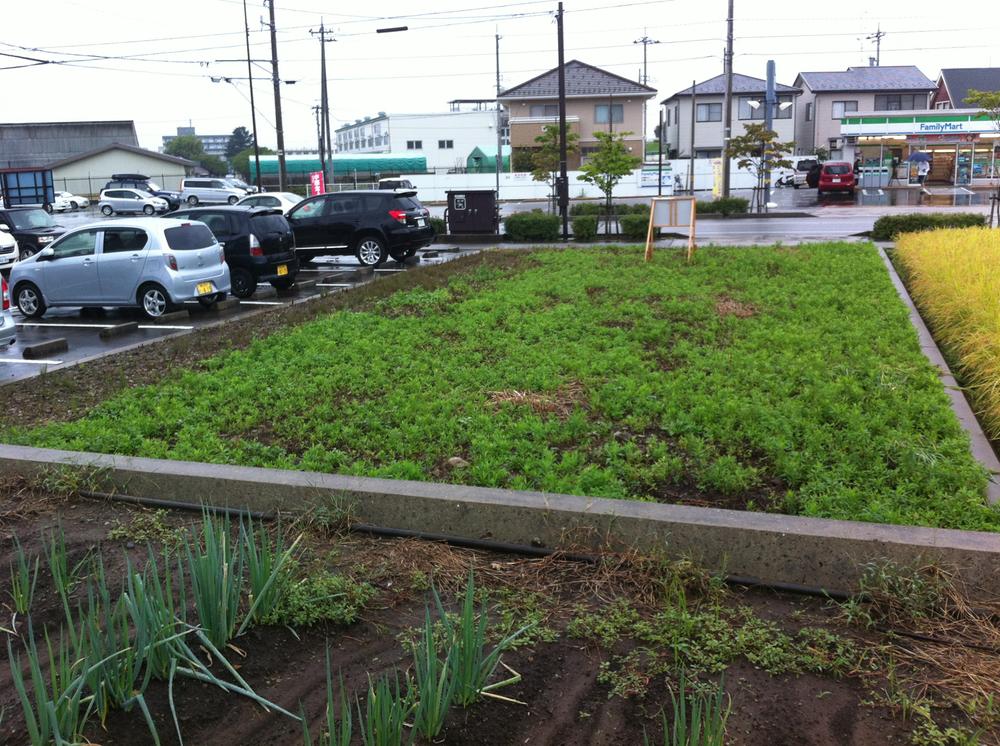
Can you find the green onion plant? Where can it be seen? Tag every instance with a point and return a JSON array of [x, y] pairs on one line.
[[435, 682], [216, 567], [23, 578], [383, 722]]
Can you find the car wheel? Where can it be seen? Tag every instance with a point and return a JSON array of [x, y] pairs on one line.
[[370, 251], [74, 205], [26, 253], [108, 210], [148, 210], [304, 258], [283, 284], [49, 208], [153, 300], [192, 201], [29, 299], [795, 186], [234, 199], [242, 282]]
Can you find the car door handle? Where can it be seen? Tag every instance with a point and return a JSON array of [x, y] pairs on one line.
[[135, 257]]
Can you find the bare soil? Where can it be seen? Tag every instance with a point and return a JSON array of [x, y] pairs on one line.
[[561, 700]]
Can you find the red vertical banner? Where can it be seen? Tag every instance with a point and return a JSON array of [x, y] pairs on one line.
[[316, 183]]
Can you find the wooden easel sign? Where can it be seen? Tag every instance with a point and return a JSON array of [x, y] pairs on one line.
[[671, 212]]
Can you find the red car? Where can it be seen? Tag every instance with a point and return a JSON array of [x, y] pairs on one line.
[[836, 176]]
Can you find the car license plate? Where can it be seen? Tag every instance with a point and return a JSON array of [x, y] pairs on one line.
[[204, 288], [282, 270], [835, 181], [421, 221]]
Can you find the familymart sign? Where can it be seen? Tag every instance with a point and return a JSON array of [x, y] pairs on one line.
[[949, 123]]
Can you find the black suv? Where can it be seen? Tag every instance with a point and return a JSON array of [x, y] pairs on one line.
[[257, 241], [371, 225], [31, 227], [143, 184]]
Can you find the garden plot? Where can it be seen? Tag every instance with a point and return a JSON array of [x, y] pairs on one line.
[[771, 378], [587, 652]]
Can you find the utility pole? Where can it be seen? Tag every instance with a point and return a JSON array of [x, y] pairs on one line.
[[320, 135], [770, 102], [645, 41], [253, 109], [562, 184], [325, 145], [727, 125], [877, 38], [282, 171], [659, 150], [694, 107], [499, 163]]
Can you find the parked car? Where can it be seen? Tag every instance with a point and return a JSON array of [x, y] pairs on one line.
[[211, 191], [802, 169], [836, 176], [130, 201], [396, 184], [8, 249], [75, 201], [258, 242], [60, 204], [31, 227], [145, 262], [283, 201], [144, 184], [371, 225], [240, 184], [8, 331]]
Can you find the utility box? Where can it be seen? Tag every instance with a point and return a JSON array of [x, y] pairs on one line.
[[472, 211]]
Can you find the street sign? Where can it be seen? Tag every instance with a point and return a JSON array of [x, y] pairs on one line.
[[671, 212]]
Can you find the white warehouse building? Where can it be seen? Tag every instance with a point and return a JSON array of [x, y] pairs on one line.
[[445, 139]]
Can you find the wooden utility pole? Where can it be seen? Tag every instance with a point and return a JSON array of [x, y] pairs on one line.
[[694, 106], [562, 185], [253, 109], [727, 125], [279, 130], [326, 144]]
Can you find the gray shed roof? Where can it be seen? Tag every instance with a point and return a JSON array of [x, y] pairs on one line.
[[889, 78], [128, 148], [741, 84], [39, 143], [581, 80], [960, 80]]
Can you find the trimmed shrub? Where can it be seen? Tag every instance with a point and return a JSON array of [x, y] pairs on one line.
[[586, 208], [533, 226], [635, 226], [439, 226], [584, 227], [888, 227], [722, 206]]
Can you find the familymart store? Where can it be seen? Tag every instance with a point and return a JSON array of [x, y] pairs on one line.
[[963, 145]]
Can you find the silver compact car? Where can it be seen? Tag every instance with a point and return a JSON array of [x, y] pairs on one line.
[[130, 201], [7, 329], [150, 263]]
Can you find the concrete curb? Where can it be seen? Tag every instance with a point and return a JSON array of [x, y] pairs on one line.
[[173, 317], [979, 444], [43, 349], [775, 548], [119, 330]]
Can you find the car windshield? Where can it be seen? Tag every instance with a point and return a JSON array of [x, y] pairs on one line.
[[806, 165], [840, 168], [27, 219], [261, 225], [152, 186], [189, 237]]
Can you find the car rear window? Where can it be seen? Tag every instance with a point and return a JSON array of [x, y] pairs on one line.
[[805, 165], [840, 168], [405, 203], [189, 237], [263, 224]]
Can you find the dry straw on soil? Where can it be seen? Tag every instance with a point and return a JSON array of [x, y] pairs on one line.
[[953, 278]]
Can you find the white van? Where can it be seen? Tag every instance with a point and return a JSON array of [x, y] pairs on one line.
[[208, 190]]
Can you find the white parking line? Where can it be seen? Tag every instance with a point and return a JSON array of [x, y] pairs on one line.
[[261, 303], [165, 327], [29, 362], [390, 270], [67, 326], [334, 284]]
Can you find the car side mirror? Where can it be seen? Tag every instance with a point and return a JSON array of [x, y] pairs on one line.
[[46, 254], [4, 229]]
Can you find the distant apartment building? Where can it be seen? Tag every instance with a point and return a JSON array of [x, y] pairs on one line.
[[213, 144], [707, 105], [445, 139], [596, 100]]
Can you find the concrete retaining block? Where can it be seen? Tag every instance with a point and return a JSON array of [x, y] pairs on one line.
[[119, 330], [772, 548], [264, 291], [44, 349], [174, 317], [225, 305]]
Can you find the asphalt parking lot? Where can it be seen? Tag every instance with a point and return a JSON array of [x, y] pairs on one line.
[[94, 333]]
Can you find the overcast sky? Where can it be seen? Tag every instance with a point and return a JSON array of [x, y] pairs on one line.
[[172, 49]]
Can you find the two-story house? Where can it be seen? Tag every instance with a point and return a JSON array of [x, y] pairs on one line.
[[709, 107], [828, 97], [955, 83], [596, 100]]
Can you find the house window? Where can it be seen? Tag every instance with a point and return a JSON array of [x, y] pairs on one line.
[[785, 113], [668, 117], [843, 108], [414, 144], [709, 113], [809, 112], [900, 102], [545, 110], [446, 144], [751, 112], [708, 153], [601, 113]]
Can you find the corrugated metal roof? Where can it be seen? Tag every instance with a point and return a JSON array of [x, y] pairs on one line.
[[126, 148], [581, 80], [741, 84], [36, 144], [960, 80], [889, 78]]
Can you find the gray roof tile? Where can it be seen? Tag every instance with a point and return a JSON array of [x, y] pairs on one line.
[[960, 80], [741, 84], [889, 78], [581, 80]]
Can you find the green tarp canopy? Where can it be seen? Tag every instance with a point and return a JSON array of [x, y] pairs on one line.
[[381, 163], [483, 160]]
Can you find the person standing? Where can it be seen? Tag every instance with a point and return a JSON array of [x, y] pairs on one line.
[[923, 168]]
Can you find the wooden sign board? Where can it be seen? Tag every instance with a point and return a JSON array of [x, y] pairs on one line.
[[671, 212]]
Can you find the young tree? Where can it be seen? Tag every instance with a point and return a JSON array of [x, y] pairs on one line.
[[757, 149], [607, 165], [241, 139], [186, 146], [989, 105], [545, 158]]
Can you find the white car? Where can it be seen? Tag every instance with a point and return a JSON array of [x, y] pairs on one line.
[[7, 328], [8, 249], [75, 201], [130, 201], [284, 201], [60, 204]]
